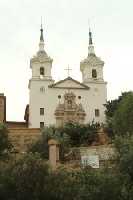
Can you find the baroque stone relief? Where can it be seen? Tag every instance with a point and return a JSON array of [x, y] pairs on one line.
[[69, 111]]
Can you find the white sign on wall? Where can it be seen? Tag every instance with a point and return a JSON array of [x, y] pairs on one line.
[[90, 160]]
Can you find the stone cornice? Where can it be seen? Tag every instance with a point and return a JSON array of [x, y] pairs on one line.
[[42, 80], [45, 79], [96, 82], [37, 59], [72, 88]]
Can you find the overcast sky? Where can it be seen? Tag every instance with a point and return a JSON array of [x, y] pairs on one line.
[[66, 41]]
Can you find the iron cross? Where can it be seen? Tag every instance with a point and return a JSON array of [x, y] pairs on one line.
[[68, 71]]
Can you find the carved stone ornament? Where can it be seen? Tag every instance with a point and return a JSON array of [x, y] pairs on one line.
[[69, 111]]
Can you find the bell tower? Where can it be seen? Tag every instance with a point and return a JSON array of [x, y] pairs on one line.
[[92, 76], [41, 63], [41, 66], [92, 66]]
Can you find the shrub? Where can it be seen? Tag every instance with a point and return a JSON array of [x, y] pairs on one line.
[[5, 144]]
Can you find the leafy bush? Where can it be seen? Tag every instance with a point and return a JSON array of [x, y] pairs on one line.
[[23, 178], [30, 178], [99, 185], [119, 115], [69, 136], [124, 149], [41, 146], [81, 135], [123, 117], [5, 144]]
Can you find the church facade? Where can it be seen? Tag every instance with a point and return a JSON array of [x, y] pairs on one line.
[[68, 100]]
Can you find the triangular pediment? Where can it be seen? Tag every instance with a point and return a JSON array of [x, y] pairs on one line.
[[69, 83]]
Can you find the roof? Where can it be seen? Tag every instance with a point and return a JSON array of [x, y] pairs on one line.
[[73, 84]]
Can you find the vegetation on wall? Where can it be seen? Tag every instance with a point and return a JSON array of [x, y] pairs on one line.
[[29, 177], [41, 146], [81, 134], [71, 135], [5, 144]]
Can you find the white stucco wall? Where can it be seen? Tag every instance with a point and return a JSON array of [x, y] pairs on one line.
[[91, 99]]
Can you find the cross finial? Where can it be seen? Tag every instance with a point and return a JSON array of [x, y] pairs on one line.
[[41, 22], [68, 71]]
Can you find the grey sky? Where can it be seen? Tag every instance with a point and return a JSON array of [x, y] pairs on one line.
[[66, 38]]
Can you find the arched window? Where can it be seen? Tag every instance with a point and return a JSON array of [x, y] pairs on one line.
[[42, 71], [94, 73]]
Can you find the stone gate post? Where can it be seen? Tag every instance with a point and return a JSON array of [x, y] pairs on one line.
[[53, 153]]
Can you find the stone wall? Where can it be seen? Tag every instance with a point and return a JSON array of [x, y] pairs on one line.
[[105, 154], [14, 124], [21, 138]]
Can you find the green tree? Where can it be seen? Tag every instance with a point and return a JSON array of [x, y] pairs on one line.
[[111, 109], [124, 150], [99, 185], [81, 134], [5, 144], [62, 185], [122, 122], [24, 179], [41, 146], [111, 106], [30, 178]]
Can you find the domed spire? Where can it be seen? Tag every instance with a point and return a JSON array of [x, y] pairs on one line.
[[41, 43], [41, 36], [90, 37], [90, 47]]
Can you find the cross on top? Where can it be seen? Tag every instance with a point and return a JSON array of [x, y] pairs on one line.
[[68, 71]]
